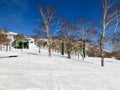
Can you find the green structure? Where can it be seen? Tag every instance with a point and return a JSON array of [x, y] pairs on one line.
[[62, 52], [84, 49], [21, 44]]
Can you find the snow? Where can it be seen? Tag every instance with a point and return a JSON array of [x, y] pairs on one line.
[[36, 71], [13, 33], [107, 51]]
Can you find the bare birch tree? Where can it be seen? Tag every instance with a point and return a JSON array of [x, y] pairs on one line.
[[66, 28], [47, 13], [39, 33], [85, 30], [110, 21]]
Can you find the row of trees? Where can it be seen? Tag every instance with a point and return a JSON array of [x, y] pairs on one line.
[[101, 32], [69, 30]]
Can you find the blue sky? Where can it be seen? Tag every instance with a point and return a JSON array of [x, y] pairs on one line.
[[21, 15]]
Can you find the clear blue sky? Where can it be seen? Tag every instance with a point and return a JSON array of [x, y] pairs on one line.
[[21, 15]]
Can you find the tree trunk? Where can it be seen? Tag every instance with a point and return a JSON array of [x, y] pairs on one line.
[[101, 49], [1, 47], [69, 56], [49, 41], [39, 49], [78, 56], [68, 47], [6, 47], [10, 47], [102, 58], [49, 50], [49, 47]]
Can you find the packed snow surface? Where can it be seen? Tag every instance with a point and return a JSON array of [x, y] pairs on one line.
[[36, 71]]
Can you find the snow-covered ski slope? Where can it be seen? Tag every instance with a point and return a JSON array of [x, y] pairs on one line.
[[36, 71]]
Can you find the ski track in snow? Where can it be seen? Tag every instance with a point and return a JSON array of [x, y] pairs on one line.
[[36, 71]]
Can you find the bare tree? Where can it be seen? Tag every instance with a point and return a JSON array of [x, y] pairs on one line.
[[47, 13], [7, 43], [4, 40], [66, 32], [116, 46], [110, 21], [85, 30], [39, 32]]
